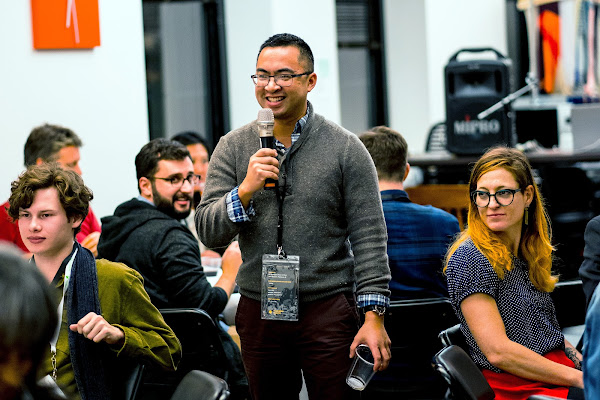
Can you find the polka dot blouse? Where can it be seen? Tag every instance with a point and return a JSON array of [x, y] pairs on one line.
[[528, 314]]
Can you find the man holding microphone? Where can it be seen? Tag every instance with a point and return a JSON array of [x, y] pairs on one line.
[[314, 246]]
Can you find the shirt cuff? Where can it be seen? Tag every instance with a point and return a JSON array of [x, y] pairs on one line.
[[372, 299], [235, 209]]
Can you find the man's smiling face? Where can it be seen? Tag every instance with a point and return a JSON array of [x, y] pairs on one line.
[[288, 103]]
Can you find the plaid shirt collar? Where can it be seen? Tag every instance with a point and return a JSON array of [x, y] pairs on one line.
[[295, 135]]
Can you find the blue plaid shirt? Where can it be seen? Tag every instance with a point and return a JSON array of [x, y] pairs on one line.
[[237, 213], [418, 237]]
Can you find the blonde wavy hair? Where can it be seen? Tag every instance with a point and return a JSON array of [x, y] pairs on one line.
[[536, 237]]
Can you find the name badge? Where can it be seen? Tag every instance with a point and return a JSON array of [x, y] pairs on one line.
[[280, 287]]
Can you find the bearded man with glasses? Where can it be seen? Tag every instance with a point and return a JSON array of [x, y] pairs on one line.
[[147, 233]]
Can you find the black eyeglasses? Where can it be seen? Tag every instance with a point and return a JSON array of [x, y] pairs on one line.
[[282, 80], [177, 180], [503, 197]]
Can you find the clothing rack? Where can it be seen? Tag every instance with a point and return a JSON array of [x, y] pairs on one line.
[[525, 4], [531, 9]]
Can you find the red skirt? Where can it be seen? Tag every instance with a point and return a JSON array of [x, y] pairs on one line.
[[507, 386]]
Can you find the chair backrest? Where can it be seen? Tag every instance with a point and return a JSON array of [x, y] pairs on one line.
[[454, 336], [462, 375], [451, 198], [201, 346], [570, 303], [200, 385], [436, 140], [126, 379], [412, 326]]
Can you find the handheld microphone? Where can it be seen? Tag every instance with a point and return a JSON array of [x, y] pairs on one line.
[[266, 123]]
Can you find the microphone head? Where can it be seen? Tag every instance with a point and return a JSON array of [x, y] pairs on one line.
[[265, 116]]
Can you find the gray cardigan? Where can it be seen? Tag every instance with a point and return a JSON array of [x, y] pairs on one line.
[[332, 196]]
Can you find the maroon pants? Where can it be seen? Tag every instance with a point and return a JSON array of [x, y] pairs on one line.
[[274, 352]]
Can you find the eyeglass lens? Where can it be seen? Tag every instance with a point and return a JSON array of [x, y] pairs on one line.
[[192, 179], [280, 80], [177, 181], [502, 197]]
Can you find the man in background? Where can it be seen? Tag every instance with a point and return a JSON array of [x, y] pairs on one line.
[[146, 233], [590, 267], [52, 143], [200, 153], [418, 236]]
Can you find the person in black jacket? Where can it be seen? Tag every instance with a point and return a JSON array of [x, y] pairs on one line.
[[147, 233]]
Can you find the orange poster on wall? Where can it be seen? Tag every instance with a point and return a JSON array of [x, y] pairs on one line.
[[65, 24]]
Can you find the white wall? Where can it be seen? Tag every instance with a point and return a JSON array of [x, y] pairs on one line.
[[420, 38], [249, 23], [99, 93]]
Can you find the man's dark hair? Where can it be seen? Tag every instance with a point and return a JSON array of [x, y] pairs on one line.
[[287, 39], [188, 138], [389, 152], [146, 161], [46, 141], [28, 313], [73, 195]]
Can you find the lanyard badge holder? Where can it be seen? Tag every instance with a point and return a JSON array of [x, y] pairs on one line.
[[54, 339], [280, 277]]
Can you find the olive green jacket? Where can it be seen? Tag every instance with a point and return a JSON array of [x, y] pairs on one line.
[[126, 305]]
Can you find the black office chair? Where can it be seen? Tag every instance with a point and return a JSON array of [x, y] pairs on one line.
[[436, 139], [200, 385], [464, 378], [201, 346], [453, 336], [569, 213], [412, 326], [126, 379], [570, 305]]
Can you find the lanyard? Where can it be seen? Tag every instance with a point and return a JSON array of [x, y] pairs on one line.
[[54, 339], [280, 193]]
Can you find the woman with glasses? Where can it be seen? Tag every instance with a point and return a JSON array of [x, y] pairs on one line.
[[499, 281]]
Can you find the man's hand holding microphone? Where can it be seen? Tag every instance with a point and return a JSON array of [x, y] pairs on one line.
[[263, 168]]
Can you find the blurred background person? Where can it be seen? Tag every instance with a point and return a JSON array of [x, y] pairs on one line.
[[27, 323], [53, 143], [590, 267], [590, 275], [200, 152], [591, 348], [418, 236]]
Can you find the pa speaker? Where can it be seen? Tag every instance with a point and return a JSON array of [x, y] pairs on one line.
[[472, 86]]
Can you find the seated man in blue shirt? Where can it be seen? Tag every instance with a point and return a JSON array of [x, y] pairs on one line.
[[418, 236]]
